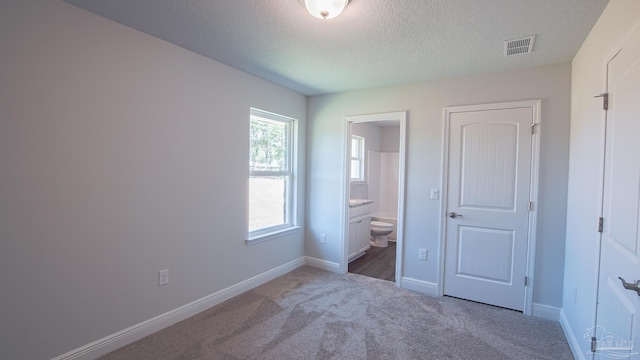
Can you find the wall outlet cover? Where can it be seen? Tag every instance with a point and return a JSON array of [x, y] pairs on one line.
[[163, 277]]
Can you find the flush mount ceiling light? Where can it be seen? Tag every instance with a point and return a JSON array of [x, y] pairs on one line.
[[325, 9]]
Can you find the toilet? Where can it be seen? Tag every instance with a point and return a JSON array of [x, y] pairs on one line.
[[379, 232]]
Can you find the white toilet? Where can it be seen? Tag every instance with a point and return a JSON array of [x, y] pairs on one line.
[[379, 232]]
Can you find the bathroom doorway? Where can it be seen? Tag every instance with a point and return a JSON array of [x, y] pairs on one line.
[[374, 188]]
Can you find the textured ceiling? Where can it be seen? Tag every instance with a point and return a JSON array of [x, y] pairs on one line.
[[373, 43]]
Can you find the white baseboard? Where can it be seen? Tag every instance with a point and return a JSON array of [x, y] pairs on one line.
[[545, 311], [424, 287], [574, 345], [322, 264], [421, 286], [124, 337]]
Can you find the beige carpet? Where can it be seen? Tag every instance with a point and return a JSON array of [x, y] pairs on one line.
[[314, 314]]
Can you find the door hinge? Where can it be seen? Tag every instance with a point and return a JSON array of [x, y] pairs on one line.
[[533, 129], [600, 224], [530, 205], [526, 280], [594, 344], [605, 100]]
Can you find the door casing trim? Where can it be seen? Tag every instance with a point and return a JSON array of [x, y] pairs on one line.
[[535, 106]]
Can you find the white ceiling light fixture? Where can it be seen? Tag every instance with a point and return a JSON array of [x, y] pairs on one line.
[[325, 9]]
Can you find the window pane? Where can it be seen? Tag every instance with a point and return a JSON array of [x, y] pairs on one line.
[[270, 172], [268, 146], [267, 201], [355, 169], [357, 158]]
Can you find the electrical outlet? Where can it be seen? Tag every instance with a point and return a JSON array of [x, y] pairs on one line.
[[323, 238], [422, 254], [574, 293], [163, 277]]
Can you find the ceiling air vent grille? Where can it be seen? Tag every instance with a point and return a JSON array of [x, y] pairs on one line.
[[519, 46]]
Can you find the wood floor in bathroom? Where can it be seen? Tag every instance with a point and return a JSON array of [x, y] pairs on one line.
[[377, 262]]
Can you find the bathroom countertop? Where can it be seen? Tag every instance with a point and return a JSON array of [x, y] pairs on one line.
[[359, 202]]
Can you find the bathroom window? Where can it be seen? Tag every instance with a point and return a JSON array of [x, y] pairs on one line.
[[357, 158], [271, 143]]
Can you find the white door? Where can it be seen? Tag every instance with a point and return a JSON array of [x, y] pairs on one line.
[[488, 195], [618, 313]]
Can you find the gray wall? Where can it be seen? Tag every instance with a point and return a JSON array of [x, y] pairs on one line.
[[585, 171], [120, 155], [390, 139], [371, 133], [424, 102]]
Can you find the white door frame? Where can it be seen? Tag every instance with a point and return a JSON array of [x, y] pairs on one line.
[[533, 188], [401, 117]]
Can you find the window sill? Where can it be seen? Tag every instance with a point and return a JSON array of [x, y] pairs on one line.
[[252, 240], [358, 182]]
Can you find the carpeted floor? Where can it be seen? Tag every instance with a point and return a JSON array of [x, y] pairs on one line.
[[315, 314]]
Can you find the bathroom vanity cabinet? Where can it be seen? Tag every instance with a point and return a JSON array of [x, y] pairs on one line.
[[359, 230]]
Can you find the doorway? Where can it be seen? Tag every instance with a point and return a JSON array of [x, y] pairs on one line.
[[490, 187], [360, 174]]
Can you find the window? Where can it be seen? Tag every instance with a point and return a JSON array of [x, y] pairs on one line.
[[270, 173], [357, 158]]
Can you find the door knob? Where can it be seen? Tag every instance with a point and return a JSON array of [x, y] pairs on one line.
[[453, 215], [631, 286]]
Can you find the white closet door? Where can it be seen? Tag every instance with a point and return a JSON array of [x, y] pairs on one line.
[[489, 177]]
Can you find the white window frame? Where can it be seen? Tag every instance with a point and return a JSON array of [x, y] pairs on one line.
[[359, 157], [289, 226]]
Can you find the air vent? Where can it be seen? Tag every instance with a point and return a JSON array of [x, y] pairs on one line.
[[519, 46]]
